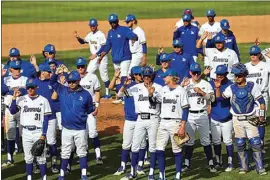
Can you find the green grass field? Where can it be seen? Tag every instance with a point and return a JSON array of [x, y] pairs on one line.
[[25, 12], [111, 146]]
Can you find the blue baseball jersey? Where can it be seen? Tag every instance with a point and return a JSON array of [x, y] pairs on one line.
[[189, 36], [129, 106], [27, 69], [220, 109], [159, 79], [230, 42], [74, 106], [118, 42]]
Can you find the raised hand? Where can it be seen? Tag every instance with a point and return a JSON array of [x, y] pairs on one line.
[[207, 71], [151, 89], [257, 42], [16, 93], [204, 35], [117, 73], [33, 60], [3, 72], [160, 50], [185, 82], [59, 70]]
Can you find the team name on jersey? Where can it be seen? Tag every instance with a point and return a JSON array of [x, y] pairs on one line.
[[254, 75], [228, 40], [93, 42], [190, 94], [216, 59], [169, 101], [86, 86], [143, 98], [27, 109]]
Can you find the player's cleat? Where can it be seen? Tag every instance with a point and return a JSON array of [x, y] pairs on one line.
[[242, 171], [119, 171], [15, 152], [218, 166], [118, 101], [127, 177], [229, 168], [61, 178], [151, 177], [146, 162], [212, 168], [107, 97], [99, 161], [262, 172], [88, 174], [8, 163], [68, 171], [84, 178], [140, 170], [185, 168], [55, 170]]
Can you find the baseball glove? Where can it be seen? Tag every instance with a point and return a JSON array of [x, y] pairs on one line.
[[255, 121], [179, 141], [38, 148]]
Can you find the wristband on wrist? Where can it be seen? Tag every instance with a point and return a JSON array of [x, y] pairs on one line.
[[261, 112]]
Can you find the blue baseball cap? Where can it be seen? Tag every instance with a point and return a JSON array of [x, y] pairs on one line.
[[186, 17], [195, 67], [14, 52], [224, 24], [219, 39], [254, 50], [130, 17], [239, 68], [31, 83], [210, 12], [80, 61], [73, 76], [113, 18], [49, 48], [136, 70], [16, 64], [164, 57], [178, 43], [170, 72], [147, 71], [93, 22], [44, 67], [221, 69]]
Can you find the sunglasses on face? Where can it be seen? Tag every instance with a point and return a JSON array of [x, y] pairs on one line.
[[50, 53], [136, 74], [17, 69], [30, 87], [177, 47], [196, 73], [82, 66], [253, 54], [114, 22], [71, 82], [238, 75]]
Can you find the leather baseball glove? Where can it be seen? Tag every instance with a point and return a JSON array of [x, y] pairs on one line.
[[255, 121], [181, 140], [38, 148]]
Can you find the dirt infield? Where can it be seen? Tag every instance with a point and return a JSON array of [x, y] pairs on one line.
[[32, 37]]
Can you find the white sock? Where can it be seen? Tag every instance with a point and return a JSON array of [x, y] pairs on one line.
[[132, 170], [62, 173], [217, 159], [98, 152], [44, 177], [107, 91], [187, 162], [177, 175], [9, 156], [84, 172], [29, 177], [151, 171], [140, 163], [123, 164], [211, 162], [229, 160], [54, 160], [16, 146]]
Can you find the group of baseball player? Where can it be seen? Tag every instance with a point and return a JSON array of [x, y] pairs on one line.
[[225, 99]]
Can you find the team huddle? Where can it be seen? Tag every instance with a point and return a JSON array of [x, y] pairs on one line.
[[223, 101]]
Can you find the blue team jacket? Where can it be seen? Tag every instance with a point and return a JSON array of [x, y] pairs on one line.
[[27, 69]]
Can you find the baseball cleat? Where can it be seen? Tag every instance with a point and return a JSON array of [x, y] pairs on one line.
[[8, 163], [127, 177], [242, 171], [212, 168], [107, 97], [185, 168], [229, 168], [68, 171], [84, 178], [262, 172], [218, 166], [55, 170], [140, 170], [119, 171], [99, 161], [151, 177], [118, 101], [15, 152]]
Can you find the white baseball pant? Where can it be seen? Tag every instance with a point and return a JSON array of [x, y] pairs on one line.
[[222, 129], [73, 137], [28, 139], [200, 122], [11, 122], [166, 130], [243, 129], [103, 68], [135, 61], [59, 120], [51, 132], [92, 126], [123, 66], [142, 127], [128, 133]]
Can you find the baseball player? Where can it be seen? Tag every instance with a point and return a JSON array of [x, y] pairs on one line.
[[91, 84], [180, 61], [75, 103], [194, 22], [173, 114], [221, 118], [211, 27], [49, 53], [258, 73], [242, 96], [230, 40], [189, 35], [34, 114], [27, 69], [266, 55], [138, 48], [15, 80], [96, 40], [130, 122], [118, 41], [220, 55], [200, 94], [147, 121], [165, 61]]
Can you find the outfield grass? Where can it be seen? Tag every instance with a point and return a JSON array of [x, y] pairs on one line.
[[23, 12]]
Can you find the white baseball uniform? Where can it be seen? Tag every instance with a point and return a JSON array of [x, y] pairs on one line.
[[172, 103], [181, 23], [214, 57], [266, 55], [198, 117], [32, 112], [95, 41], [91, 84], [213, 29], [136, 48]]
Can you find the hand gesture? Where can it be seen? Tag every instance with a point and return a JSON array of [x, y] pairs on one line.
[[117, 73], [152, 66], [33, 60], [181, 131], [127, 81], [151, 89], [209, 35], [204, 35], [185, 82], [65, 69], [207, 71], [257, 42], [95, 112], [62, 79], [160, 50], [3, 72], [197, 90], [59, 70], [16, 93], [217, 83], [76, 35], [93, 56]]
